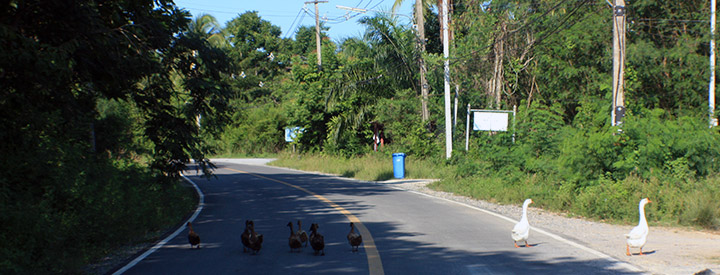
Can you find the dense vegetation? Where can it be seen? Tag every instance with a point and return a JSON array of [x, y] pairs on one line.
[[103, 103], [97, 108]]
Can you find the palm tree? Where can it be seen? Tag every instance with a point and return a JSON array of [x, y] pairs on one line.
[[392, 46], [207, 27], [378, 65]]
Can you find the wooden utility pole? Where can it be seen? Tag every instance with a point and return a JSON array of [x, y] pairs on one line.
[[618, 111], [318, 43], [420, 22]]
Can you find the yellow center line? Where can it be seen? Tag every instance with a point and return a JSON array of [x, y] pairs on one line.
[[373, 256]]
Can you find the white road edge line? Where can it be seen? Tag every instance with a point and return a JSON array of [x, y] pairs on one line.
[[551, 235], [160, 244]]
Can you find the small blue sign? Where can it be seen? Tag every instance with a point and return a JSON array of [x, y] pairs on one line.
[[291, 133]]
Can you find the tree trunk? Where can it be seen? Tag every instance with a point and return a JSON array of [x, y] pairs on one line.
[[497, 81], [420, 21]]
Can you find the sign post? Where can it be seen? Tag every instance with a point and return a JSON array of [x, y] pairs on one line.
[[291, 135], [489, 120]]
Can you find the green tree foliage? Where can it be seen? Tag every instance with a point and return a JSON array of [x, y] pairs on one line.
[[255, 44], [87, 91], [668, 54], [259, 59], [393, 48], [307, 109], [304, 44]]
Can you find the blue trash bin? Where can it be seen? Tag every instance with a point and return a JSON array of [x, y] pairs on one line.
[[399, 165]]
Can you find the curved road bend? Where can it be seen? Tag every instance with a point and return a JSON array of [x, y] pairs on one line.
[[404, 232]]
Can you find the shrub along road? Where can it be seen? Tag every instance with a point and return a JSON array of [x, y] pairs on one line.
[[403, 232]]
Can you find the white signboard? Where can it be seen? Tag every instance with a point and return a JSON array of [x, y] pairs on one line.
[[486, 121]]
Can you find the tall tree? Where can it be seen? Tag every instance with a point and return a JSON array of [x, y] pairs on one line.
[[498, 45], [117, 49], [60, 61], [420, 6], [255, 44]]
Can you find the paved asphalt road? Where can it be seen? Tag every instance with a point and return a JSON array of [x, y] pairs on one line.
[[404, 232]]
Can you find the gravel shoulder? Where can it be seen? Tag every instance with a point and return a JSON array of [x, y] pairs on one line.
[[667, 251]]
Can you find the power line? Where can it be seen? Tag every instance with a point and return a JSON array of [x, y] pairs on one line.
[[346, 17], [213, 11], [668, 20], [563, 23], [525, 26], [287, 34]]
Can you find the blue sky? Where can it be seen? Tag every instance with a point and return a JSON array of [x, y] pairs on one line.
[[289, 14]]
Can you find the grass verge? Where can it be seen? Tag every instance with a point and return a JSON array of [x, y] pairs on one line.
[[685, 203], [372, 167]]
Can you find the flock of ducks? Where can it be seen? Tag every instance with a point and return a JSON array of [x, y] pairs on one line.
[[635, 239], [520, 233], [252, 241]]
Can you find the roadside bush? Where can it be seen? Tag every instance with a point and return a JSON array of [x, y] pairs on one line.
[[597, 172], [658, 141], [87, 210], [254, 131], [586, 156], [404, 129], [700, 205]]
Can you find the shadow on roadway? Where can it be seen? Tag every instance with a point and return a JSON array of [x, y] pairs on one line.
[[236, 197]]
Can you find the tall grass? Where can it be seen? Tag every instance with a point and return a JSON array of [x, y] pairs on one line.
[[692, 204], [372, 167]]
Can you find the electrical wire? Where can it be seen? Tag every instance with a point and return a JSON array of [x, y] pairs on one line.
[[302, 17], [668, 20], [467, 56], [563, 22], [287, 34]]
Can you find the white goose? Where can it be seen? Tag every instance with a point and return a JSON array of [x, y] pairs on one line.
[[638, 235], [521, 231]]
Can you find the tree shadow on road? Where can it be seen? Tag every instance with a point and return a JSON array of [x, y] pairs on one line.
[[236, 197]]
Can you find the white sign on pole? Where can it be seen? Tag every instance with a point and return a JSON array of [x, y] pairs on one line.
[[485, 121]]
